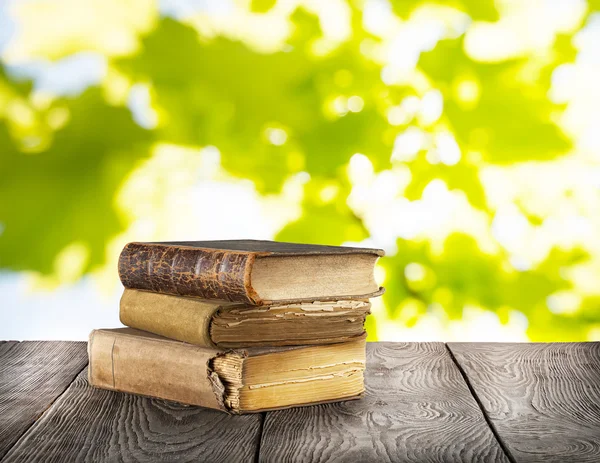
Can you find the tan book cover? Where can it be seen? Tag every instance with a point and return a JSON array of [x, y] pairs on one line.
[[222, 324], [235, 381]]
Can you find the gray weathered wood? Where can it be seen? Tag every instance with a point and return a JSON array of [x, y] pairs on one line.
[[5, 346], [417, 407], [88, 424], [542, 399], [32, 376]]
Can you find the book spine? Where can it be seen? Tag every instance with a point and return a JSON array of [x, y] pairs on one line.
[[186, 271], [182, 318], [154, 368]]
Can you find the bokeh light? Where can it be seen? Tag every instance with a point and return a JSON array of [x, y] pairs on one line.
[[461, 137]]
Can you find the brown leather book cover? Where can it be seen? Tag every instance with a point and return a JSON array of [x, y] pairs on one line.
[[134, 361], [231, 270]]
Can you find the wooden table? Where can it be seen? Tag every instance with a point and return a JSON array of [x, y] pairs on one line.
[[424, 402]]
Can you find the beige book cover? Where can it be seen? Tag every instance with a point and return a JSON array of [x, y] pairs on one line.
[[236, 381], [212, 323]]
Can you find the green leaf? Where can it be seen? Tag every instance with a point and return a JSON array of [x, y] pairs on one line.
[[324, 222], [222, 93], [463, 275], [397, 288], [262, 6], [594, 5], [324, 225], [65, 193], [501, 114], [461, 176], [483, 10]]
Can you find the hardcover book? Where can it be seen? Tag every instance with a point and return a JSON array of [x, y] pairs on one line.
[[251, 272], [226, 324], [236, 381]]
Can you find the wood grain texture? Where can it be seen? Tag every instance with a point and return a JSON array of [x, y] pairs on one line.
[[88, 424], [32, 376], [5, 346], [417, 407], [543, 399]]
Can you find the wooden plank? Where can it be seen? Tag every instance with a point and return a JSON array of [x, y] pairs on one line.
[[32, 376], [542, 399], [5, 346], [417, 407], [88, 424]]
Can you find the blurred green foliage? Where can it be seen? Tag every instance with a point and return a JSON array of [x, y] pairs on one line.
[[64, 160], [513, 113]]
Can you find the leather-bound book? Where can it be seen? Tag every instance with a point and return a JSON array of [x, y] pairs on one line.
[[251, 272], [213, 323], [237, 381]]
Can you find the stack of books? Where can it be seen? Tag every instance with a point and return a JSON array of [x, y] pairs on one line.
[[241, 326]]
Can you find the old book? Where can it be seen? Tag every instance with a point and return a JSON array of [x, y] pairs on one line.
[[237, 381], [249, 271], [227, 324]]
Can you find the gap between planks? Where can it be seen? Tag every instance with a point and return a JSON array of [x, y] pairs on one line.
[[417, 407], [480, 405], [263, 415], [471, 390]]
